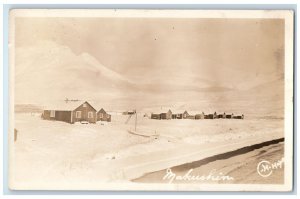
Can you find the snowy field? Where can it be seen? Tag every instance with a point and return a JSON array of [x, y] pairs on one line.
[[50, 151]]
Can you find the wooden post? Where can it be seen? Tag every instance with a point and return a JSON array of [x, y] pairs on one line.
[[135, 120], [15, 134]]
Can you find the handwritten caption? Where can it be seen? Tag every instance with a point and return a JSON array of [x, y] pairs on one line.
[[213, 175]]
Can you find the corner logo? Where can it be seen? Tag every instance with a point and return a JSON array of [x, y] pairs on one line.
[[265, 168]]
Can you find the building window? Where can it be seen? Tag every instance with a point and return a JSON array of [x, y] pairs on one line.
[[101, 115], [52, 113], [78, 114], [90, 114]]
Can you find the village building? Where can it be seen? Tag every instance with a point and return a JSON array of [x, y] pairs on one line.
[[102, 115], [185, 115], [71, 112], [195, 115], [177, 116], [155, 116], [239, 117], [229, 116], [211, 116], [188, 115], [165, 115], [222, 116]]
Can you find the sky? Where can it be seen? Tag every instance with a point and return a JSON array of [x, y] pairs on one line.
[[225, 52], [150, 62]]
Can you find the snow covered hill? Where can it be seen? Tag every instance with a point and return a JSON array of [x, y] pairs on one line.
[[55, 72]]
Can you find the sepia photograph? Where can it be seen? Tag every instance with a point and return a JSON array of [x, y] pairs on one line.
[[169, 100]]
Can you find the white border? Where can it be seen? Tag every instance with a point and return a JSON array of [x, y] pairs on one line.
[[286, 15], [165, 13]]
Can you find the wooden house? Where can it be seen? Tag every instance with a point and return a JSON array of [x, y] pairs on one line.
[[222, 116], [71, 112], [166, 115], [211, 116], [229, 116], [207, 117], [191, 117], [239, 117], [155, 116], [195, 115], [177, 115], [180, 114], [102, 115], [185, 115]]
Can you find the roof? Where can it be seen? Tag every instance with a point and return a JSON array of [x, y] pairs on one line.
[[66, 106], [101, 109], [98, 105]]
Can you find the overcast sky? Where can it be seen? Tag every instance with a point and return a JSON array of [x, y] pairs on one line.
[[226, 51]]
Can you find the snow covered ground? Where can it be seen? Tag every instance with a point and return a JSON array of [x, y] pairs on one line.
[[242, 167], [47, 152]]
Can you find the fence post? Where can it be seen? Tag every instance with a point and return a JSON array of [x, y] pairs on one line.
[[15, 135]]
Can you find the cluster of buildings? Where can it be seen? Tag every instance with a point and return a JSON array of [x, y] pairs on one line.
[[75, 111], [168, 115]]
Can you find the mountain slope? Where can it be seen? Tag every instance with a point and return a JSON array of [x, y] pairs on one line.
[[50, 71]]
